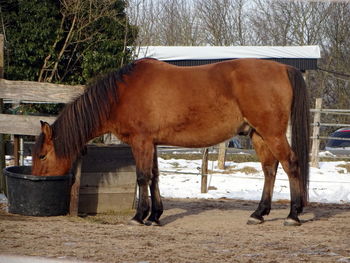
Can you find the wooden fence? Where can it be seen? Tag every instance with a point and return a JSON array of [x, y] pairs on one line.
[[29, 92], [32, 92], [317, 124]]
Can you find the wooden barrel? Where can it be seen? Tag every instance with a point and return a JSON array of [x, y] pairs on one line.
[[108, 179]]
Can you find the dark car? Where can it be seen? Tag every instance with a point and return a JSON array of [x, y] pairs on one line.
[[337, 145], [235, 143]]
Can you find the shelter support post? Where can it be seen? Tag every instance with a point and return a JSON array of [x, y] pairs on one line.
[[2, 157], [222, 155], [315, 149], [16, 149], [204, 181], [2, 141]]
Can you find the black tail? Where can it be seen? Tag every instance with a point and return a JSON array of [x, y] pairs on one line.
[[300, 127]]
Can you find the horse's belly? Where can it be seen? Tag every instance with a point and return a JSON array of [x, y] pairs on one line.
[[201, 131]]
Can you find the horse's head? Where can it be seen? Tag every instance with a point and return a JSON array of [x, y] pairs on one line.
[[45, 160]]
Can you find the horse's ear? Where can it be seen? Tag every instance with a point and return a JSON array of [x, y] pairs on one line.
[[46, 129]]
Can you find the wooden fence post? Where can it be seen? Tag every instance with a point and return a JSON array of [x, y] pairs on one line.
[[2, 142], [315, 149], [222, 155], [16, 149], [204, 181], [75, 189]]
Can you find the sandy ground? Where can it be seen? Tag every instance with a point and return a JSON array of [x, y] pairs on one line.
[[192, 231]]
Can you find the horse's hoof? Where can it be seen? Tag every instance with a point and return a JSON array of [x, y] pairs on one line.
[[291, 222], [153, 223], [134, 222], [254, 221]]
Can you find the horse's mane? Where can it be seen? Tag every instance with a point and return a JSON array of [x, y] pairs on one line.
[[80, 119]]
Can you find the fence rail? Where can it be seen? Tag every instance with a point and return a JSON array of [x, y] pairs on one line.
[[327, 138], [331, 124], [22, 124], [32, 92], [330, 111], [38, 92]]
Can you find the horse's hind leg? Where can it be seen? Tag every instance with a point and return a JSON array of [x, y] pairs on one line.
[[157, 205], [143, 151], [280, 148], [269, 165]]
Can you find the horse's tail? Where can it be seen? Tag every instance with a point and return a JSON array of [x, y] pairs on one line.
[[300, 127]]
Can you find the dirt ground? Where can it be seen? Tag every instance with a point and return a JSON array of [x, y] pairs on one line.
[[192, 231]]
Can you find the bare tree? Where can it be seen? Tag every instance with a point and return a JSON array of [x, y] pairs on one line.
[[198, 22], [288, 22], [144, 14], [336, 48], [223, 21], [75, 31], [178, 23]]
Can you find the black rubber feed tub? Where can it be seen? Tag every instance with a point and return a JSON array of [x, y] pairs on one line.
[[36, 195]]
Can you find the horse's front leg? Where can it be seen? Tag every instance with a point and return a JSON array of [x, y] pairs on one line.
[[143, 151], [157, 205], [143, 206]]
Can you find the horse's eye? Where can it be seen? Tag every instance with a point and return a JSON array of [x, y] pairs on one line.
[[42, 157]]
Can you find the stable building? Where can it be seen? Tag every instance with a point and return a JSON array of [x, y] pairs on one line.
[[302, 57]]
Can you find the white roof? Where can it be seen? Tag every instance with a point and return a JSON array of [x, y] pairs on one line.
[[228, 52]]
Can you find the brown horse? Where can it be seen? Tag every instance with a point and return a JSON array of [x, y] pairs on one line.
[[149, 103]]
